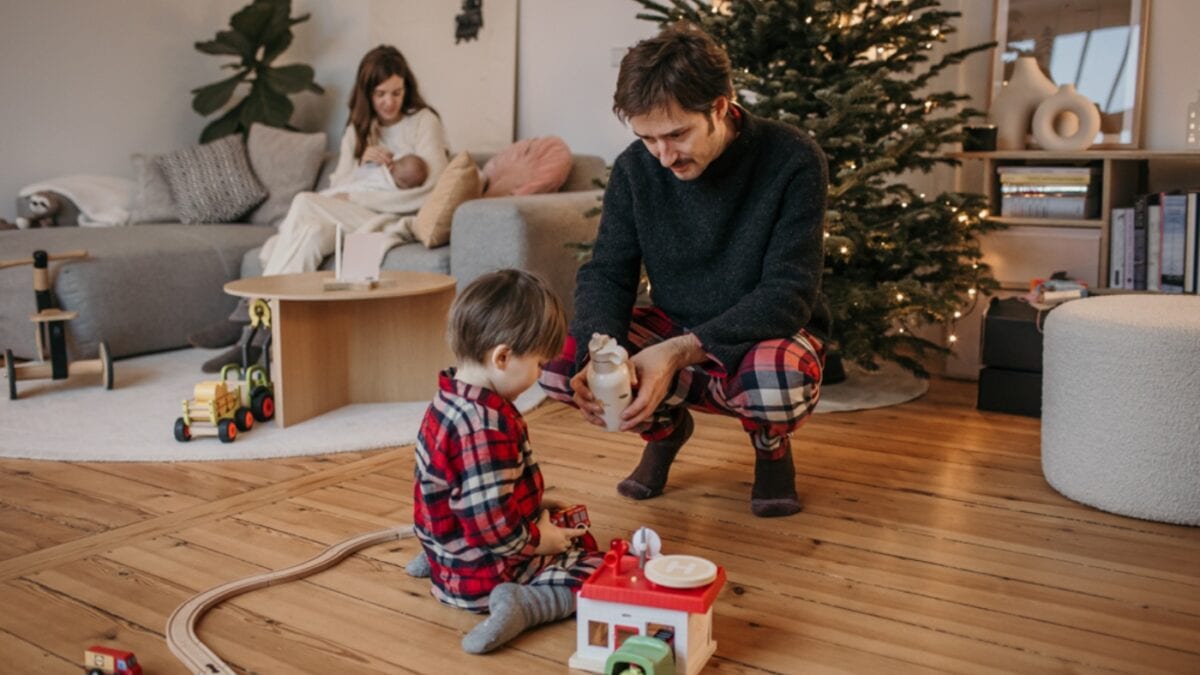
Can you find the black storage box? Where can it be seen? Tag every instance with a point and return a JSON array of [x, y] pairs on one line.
[[1011, 338], [1017, 392], [1011, 381]]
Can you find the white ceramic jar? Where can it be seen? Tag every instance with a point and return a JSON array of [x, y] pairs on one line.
[[1066, 103], [1013, 109]]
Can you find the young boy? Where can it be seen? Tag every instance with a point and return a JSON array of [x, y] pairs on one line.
[[477, 497]]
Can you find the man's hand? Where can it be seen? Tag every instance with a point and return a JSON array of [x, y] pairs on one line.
[[654, 369], [588, 406], [378, 154], [555, 539]]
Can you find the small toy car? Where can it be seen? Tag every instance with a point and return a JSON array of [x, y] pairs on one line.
[[101, 660]]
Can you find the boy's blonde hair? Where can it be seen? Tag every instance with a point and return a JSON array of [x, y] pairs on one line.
[[507, 307]]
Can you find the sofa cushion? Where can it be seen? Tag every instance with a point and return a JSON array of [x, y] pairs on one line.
[[458, 183], [412, 257], [151, 202], [213, 182], [285, 162], [143, 288], [530, 166]]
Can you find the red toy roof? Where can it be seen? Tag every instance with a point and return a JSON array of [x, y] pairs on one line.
[[109, 651], [631, 587]]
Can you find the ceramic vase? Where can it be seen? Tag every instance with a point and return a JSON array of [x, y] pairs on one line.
[[1066, 102], [1012, 111]]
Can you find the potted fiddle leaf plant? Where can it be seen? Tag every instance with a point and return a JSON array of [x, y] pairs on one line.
[[258, 33]]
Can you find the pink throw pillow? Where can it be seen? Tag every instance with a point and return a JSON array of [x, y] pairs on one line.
[[527, 167]]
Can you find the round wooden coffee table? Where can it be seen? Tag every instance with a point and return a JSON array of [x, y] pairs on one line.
[[334, 348]]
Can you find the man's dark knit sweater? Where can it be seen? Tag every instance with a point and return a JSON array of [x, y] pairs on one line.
[[735, 256]]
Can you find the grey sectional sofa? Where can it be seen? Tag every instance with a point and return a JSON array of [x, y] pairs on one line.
[[145, 288]]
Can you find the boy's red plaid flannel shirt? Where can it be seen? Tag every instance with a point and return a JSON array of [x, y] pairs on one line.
[[477, 492]]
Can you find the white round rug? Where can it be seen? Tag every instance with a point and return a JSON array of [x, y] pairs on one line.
[[77, 420], [890, 385]]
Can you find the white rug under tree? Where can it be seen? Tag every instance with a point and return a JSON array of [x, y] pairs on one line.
[[78, 420]]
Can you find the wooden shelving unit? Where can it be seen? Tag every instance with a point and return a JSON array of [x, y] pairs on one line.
[[1124, 174]]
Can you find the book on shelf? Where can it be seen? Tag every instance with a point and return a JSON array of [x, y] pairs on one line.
[[1116, 249], [1055, 171], [1174, 236], [1067, 192], [1191, 242], [1162, 232], [1054, 205], [1139, 245], [1127, 213]]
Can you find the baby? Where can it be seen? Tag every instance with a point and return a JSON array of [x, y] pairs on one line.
[[407, 172]]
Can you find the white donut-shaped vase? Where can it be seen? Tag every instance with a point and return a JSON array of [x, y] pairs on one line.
[[1066, 101]]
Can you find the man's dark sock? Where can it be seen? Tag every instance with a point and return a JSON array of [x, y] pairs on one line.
[[650, 476], [774, 492]]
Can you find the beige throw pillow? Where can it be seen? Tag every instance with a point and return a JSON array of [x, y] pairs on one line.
[[458, 183], [286, 163]]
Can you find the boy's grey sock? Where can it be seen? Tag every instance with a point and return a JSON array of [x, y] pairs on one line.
[[418, 566], [515, 608]]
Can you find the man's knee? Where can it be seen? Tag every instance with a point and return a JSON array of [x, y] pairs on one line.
[[783, 383], [555, 379]]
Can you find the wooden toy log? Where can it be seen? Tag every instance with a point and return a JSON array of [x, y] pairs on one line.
[[181, 626], [69, 255]]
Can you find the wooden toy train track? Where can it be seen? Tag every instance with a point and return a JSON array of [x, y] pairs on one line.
[[181, 626]]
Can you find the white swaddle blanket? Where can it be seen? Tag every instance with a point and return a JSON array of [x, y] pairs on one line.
[[103, 201]]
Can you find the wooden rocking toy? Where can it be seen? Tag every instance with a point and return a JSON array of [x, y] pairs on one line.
[[50, 326]]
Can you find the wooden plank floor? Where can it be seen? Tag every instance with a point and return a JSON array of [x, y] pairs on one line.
[[929, 543]]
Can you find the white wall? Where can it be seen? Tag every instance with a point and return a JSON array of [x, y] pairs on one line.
[[89, 83], [566, 74]]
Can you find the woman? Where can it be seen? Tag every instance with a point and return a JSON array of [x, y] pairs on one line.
[[389, 124]]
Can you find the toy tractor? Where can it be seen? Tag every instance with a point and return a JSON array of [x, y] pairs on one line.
[[225, 408], [50, 322], [258, 393]]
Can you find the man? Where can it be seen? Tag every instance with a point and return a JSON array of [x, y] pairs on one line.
[[725, 210]]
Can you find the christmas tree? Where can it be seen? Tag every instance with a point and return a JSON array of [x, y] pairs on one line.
[[855, 75]]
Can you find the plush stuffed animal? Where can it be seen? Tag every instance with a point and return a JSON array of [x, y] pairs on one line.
[[43, 206]]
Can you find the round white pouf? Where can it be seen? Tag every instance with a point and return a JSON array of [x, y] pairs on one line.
[[1121, 405]]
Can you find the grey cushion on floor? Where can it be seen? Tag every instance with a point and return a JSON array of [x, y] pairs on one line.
[[144, 288]]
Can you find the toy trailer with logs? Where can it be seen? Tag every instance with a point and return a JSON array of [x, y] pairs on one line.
[[222, 409]]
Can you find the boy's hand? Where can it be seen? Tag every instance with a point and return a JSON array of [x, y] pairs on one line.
[[555, 539]]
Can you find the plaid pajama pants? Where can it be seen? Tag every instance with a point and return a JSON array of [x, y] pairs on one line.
[[775, 389]]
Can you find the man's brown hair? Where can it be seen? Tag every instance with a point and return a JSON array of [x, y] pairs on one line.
[[682, 64], [507, 307]]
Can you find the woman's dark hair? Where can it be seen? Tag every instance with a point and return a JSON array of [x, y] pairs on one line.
[[507, 307], [378, 65], [682, 64]]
